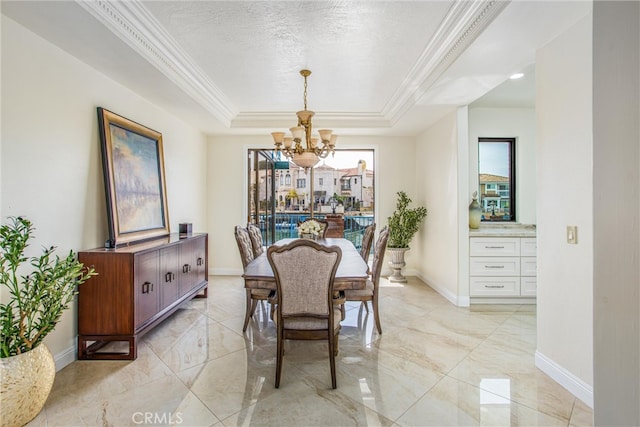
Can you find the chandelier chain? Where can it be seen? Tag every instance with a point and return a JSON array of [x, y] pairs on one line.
[[305, 92]]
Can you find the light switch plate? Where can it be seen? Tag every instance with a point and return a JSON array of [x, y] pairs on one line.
[[572, 234]]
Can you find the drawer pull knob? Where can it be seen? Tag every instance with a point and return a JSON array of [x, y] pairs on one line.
[[200, 261], [186, 268], [494, 266], [494, 247], [494, 286], [147, 287]]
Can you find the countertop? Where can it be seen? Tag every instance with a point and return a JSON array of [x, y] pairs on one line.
[[504, 230]]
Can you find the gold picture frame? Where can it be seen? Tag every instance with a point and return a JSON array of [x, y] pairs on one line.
[[135, 189]]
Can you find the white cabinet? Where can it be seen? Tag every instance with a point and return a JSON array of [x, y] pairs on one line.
[[502, 267]]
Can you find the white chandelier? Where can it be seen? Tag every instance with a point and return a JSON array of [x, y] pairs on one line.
[[309, 155]]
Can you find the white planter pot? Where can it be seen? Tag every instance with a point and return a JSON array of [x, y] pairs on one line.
[[397, 263], [26, 383]]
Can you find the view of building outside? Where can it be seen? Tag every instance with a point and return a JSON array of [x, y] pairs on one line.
[[494, 167], [352, 187], [280, 193]]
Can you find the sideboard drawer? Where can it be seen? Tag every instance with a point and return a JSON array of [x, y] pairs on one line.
[[494, 246], [495, 286], [494, 266]]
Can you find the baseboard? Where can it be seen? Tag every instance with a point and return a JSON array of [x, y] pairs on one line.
[[457, 300], [566, 379], [225, 272], [65, 358]]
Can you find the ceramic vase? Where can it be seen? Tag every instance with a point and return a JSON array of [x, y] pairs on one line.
[[26, 382], [475, 212]]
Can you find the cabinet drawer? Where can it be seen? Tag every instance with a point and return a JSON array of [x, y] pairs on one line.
[[494, 266], [528, 266], [494, 246], [494, 286], [528, 246], [528, 286]]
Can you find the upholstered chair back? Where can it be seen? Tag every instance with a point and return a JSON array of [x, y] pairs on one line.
[[367, 240], [304, 271], [378, 256], [244, 245], [256, 239]]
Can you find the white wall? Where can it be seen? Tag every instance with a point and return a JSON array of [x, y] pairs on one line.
[[565, 197], [616, 185], [394, 166], [509, 123], [437, 180], [51, 166]]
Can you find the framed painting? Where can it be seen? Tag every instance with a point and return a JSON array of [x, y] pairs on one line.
[[133, 166]]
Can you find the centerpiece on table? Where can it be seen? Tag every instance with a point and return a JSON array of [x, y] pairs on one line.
[[309, 229]]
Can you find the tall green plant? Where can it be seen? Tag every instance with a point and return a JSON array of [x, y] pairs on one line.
[[38, 298], [404, 222]]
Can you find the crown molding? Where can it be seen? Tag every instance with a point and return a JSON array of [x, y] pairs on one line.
[[333, 120], [134, 24], [462, 25]]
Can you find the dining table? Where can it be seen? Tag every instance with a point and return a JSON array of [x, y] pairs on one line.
[[352, 272]]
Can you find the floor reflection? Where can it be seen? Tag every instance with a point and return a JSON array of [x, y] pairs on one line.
[[435, 364]]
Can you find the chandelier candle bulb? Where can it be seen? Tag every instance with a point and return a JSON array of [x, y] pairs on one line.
[[309, 154]]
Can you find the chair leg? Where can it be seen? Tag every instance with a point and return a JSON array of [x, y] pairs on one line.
[[366, 306], [280, 354], [248, 312], [254, 305], [376, 313], [333, 351], [343, 312]]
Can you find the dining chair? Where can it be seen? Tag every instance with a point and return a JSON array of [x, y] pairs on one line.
[[305, 271], [256, 239], [367, 240], [323, 223], [370, 293], [253, 295]]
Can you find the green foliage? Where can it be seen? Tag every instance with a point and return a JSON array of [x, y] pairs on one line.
[[404, 222], [38, 298]]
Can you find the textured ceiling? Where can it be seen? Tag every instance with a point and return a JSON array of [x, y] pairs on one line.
[[378, 67]]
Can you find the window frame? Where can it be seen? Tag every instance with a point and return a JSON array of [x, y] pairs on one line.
[[511, 141]]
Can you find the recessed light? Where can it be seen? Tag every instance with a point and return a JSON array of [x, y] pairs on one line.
[[516, 76]]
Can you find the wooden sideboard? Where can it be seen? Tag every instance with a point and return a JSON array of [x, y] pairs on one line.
[[137, 287]]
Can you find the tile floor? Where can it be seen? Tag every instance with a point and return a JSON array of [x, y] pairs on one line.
[[434, 365]]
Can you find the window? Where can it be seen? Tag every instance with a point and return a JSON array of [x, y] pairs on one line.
[[496, 177], [349, 177]]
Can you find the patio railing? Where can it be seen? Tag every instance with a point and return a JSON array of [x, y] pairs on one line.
[[287, 225]]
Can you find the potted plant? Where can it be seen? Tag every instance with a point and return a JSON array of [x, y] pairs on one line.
[[403, 225], [33, 299]]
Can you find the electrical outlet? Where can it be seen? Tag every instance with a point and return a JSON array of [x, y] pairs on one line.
[[572, 234]]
